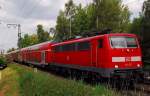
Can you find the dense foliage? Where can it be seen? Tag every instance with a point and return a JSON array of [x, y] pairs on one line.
[[141, 24], [10, 50], [2, 60], [136, 26], [29, 40], [39, 83], [40, 36], [96, 16], [146, 21]]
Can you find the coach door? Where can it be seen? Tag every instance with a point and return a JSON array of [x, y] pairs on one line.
[[94, 53], [43, 57]]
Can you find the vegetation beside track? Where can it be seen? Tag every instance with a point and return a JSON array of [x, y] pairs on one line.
[[146, 66], [9, 85], [23, 81]]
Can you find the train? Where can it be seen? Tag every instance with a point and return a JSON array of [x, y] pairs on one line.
[[114, 55]]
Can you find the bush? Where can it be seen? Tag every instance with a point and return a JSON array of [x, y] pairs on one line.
[[2, 60], [41, 84]]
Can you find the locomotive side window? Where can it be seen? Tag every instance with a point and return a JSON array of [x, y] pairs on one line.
[[72, 47], [57, 49], [123, 42], [68, 47], [100, 43], [83, 46]]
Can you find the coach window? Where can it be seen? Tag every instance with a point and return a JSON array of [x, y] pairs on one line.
[[83, 46], [100, 43]]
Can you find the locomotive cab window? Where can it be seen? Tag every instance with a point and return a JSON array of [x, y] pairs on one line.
[[100, 43], [83, 46], [131, 42], [123, 42]]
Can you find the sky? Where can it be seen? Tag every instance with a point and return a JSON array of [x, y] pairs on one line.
[[30, 13]]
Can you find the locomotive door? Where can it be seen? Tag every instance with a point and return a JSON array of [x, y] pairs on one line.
[[43, 57], [100, 53], [94, 53]]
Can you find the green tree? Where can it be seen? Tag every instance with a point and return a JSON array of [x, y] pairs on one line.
[[10, 50], [136, 26], [70, 8], [2, 59], [80, 21], [146, 21], [42, 35], [62, 27], [29, 40], [70, 12], [145, 36], [26, 41], [46, 36], [97, 16], [90, 9], [33, 39], [111, 14]]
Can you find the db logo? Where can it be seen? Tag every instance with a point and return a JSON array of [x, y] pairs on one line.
[[127, 59]]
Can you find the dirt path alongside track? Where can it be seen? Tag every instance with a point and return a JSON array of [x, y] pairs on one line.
[[8, 83]]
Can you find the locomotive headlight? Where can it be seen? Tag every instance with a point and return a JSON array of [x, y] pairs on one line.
[[116, 66], [138, 65]]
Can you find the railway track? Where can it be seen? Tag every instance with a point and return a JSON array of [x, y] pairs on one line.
[[140, 89], [143, 88]]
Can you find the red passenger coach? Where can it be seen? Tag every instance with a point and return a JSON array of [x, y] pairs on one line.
[[39, 54], [108, 55]]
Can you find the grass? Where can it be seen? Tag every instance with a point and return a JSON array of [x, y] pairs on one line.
[[30, 83]]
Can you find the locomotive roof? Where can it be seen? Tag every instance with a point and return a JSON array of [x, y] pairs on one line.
[[89, 38]]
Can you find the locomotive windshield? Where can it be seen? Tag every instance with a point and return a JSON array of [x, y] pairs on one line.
[[123, 42]]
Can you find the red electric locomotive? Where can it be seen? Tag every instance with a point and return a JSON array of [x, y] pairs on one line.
[[107, 55]]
